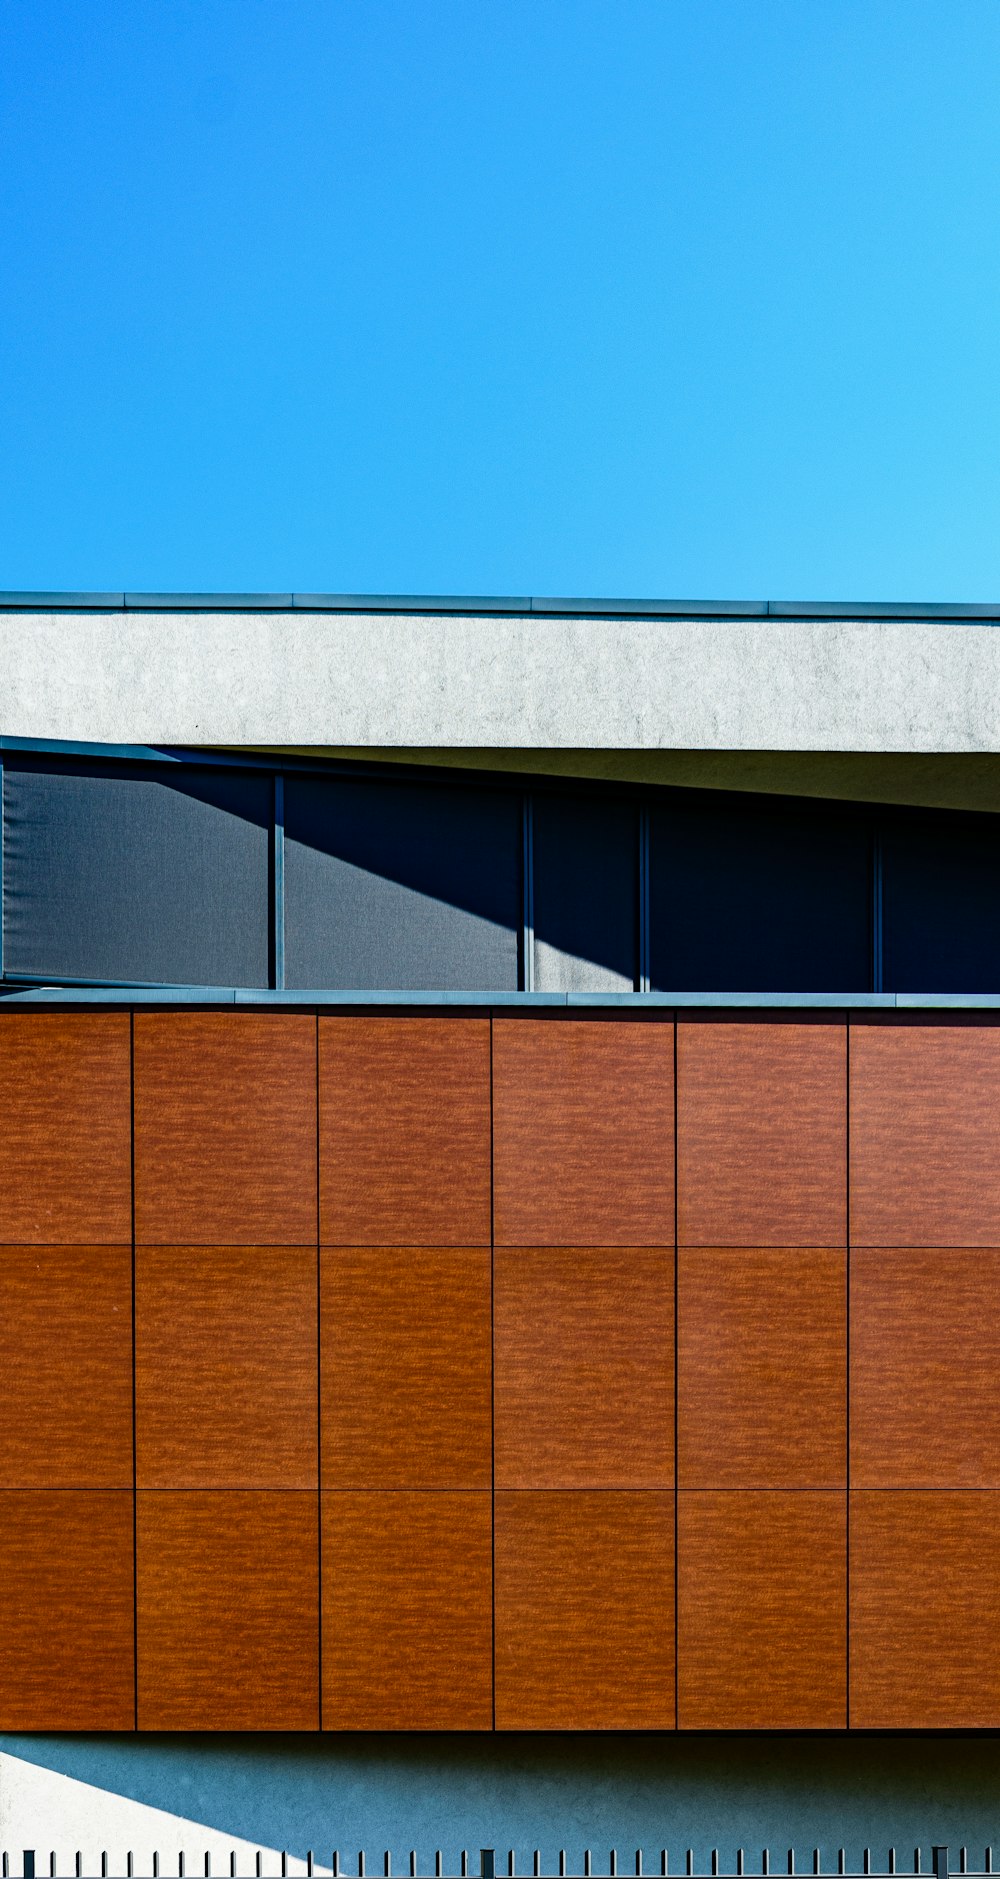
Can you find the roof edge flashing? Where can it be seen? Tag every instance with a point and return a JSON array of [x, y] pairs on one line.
[[626, 1003], [27, 601]]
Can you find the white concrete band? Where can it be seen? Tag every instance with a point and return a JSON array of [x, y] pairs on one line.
[[499, 682]]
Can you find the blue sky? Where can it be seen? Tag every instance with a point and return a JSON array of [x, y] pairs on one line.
[[678, 298]]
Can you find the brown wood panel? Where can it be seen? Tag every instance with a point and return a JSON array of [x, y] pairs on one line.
[[762, 1611], [225, 1129], [925, 1610], [65, 1145], [925, 1404], [583, 1132], [405, 1131], [762, 1368], [584, 1347], [66, 1366], [925, 1141], [407, 1611], [226, 1367], [66, 1615], [761, 1134], [584, 1610], [406, 1373], [228, 1610]]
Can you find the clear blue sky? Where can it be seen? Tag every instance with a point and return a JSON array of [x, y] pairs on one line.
[[634, 297]]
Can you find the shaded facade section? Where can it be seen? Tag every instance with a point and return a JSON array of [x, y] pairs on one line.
[[257, 873]]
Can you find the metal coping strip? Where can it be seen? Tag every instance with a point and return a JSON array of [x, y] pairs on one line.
[[37, 601], [22, 990]]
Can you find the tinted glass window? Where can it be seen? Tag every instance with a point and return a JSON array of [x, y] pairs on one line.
[[585, 894], [754, 896], [148, 872], [941, 903], [401, 886]]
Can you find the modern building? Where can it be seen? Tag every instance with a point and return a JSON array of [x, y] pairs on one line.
[[499, 1226]]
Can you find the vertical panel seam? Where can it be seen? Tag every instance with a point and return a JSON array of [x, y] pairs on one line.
[[677, 1680], [319, 1415], [135, 1471], [493, 1464]]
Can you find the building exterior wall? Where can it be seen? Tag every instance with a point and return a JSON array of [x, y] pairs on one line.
[[597, 1790], [500, 677], [500, 1370], [578, 1402]]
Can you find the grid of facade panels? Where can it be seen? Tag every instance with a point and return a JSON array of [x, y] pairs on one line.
[[511, 1371]]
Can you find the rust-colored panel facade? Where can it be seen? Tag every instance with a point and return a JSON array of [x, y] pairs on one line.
[[404, 1119], [925, 1601], [584, 1349], [456, 1406], [65, 1145], [761, 1133], [227, 1610], [225, 1367], [407, 1611], [583, 1123], [761, 1368], [66, 1367], [407, 1385], [762, 1611], [925, 1153], [66, 1620], [925, 1406], [225, 1129], [584, 1610]]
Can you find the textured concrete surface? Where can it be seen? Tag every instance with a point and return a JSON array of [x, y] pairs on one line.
[[501, 681], [597, 1790]]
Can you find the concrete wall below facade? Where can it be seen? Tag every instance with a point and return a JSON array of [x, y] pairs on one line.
[[521, 1791]]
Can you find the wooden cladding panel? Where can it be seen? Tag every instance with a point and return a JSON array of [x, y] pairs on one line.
[[584, 1610], [66, 1366], [407, 1611], [762, 1611], [925, 1403], [225, 1367], [228, 1610], [925, 1142], [404, 1125], [584, 1390], [582, 1322], [925, 1610], [583, 1128], [225, 1129], [406, 1387], [66, 1615], [762, 1368], [65, 1144], [761, 1134]]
